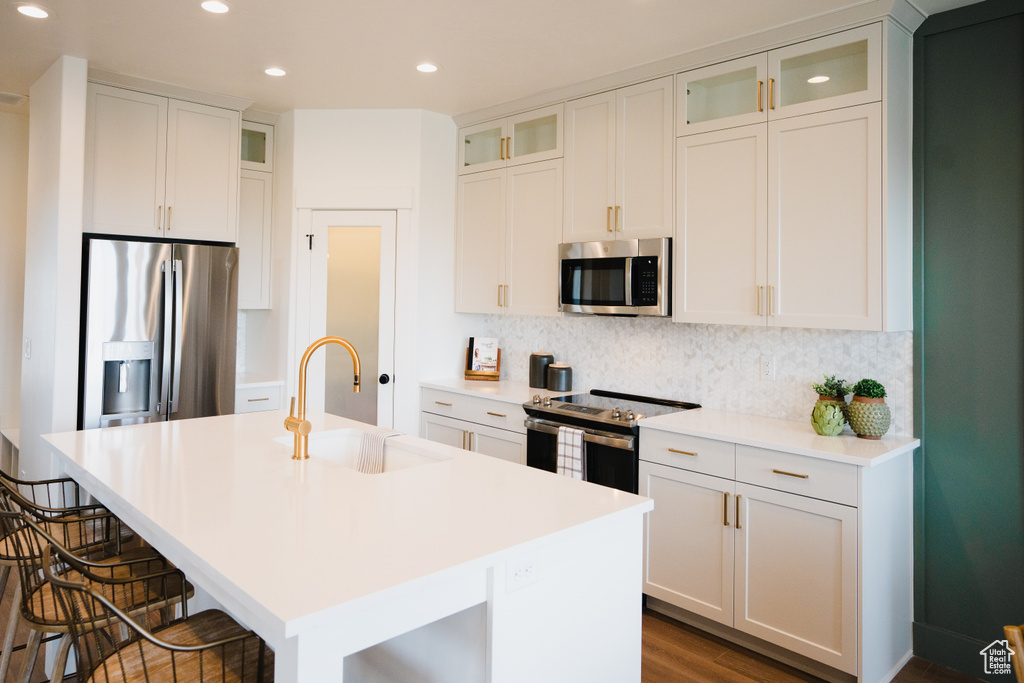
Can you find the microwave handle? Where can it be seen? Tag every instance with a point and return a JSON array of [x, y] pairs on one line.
[[629, 282]]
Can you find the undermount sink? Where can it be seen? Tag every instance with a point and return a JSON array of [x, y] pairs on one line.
[[341, 446]]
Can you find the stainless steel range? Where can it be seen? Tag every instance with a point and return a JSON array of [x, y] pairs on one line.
[[609, 423]]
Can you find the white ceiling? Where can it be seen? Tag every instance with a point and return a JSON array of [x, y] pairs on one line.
[[362, 54]]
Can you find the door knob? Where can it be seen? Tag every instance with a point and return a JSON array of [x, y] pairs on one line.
[[384, 379]]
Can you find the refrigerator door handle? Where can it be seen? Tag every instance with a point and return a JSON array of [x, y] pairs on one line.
[[178, 334], [163, 408]]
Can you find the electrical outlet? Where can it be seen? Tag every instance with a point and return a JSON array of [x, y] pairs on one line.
[[768, 368], [521, 572]]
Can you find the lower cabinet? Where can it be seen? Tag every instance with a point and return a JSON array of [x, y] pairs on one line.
[[477, 424], [778, 560]]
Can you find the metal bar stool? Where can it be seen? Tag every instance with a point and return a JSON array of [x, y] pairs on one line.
[[207, 647]]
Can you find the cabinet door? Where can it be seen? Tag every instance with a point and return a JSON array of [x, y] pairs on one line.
[[825, 216], [643, 164], [535, 135], [590, 169], [498, 443], [255, 209], [446, 430], [479, 250], [534, 229], [688, 540], [840, 70], [482, 146], [722, 96], [124, 162], [721, 245], [202, 172], [796, 574]]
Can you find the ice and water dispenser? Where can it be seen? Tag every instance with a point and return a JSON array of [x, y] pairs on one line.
[[128, 381]]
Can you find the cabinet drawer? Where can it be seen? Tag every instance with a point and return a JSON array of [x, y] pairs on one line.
[[812, 477], [693, 453], [253, 399], [500, 414]]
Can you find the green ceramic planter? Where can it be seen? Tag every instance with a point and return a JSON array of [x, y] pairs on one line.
[[869, 417], [828, 417]]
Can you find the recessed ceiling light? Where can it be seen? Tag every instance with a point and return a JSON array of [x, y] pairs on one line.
[[274, 71], [427, 68], [817, 79], [215, 6], [34, 11]]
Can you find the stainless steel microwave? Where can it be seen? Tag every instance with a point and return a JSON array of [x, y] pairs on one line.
[[624, 277]]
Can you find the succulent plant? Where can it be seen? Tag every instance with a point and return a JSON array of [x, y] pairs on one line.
[[836, 388], [828, 418], [869, 388]]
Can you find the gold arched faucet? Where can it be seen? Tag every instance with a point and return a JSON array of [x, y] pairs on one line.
[[297, 422]]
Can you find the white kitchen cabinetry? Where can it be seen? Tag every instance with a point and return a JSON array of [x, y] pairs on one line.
[[253, 396], [825, 179], [618, 164], [762, 206], [255, 214], [507, 233], [521, 139], [783, 82], [257, 152], [785, 548], [487, 426], [158, 167]]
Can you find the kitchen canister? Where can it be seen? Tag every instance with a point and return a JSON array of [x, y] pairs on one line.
[[559, 377], [539, 363]]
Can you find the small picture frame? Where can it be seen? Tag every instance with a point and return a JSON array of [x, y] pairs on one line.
[[483, 359]]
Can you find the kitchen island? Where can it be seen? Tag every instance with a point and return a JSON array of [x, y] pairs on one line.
[[493, 571]]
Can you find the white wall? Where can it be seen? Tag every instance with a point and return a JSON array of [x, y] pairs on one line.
[[358, 159], [53, 253], [13, 199]]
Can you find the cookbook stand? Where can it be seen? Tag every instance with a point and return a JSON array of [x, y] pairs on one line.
[[483, 375]]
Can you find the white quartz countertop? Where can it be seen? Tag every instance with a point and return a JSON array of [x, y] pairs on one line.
[[504, 390], [290, 543], [782, 435]]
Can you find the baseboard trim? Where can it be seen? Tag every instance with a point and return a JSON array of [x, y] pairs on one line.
[[949, 649]]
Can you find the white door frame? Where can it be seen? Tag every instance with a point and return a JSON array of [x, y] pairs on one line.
[[311, 298]]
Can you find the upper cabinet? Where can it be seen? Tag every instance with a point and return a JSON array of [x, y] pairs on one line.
[[840, 70], [257, 146], [158, 167], [255, 215], [618, 164], [520, 139]]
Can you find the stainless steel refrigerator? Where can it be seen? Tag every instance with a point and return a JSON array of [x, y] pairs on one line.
[[159, 323]]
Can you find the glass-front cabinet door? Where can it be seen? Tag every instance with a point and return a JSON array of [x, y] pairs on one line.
[[531, 136], [722, 95], [840, 70]]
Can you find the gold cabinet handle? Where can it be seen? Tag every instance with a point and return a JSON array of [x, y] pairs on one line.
[[771, 93], [254, 400], [469, 438], [464, 432], [160, 217], [760, 105], [168, 219], [760, 295], [738, 527], [725, 508], [673, 450], [792, 474], [449, 405], [618, 219], [608, 219], [496, 414], [499, 296], [501, 145]]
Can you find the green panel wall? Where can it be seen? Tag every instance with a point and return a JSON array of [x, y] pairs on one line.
[[969, 331]]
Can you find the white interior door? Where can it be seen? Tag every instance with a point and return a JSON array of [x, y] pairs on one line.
[[350, 259]]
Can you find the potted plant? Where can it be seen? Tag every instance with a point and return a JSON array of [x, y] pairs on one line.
[[829, 413], [868, 414]]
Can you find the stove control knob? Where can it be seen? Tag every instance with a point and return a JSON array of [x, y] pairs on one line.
[[630, 416], [616, 414], [547, 401], [536, 399]]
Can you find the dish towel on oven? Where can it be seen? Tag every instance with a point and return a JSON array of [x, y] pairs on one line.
[[371, 450], [572, 453]]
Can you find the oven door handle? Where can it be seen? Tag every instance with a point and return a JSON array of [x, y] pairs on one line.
[[591, 435]]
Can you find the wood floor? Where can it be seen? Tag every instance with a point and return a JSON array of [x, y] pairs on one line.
[[677, 653]]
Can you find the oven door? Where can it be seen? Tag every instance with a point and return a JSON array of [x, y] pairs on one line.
[[611, 458]]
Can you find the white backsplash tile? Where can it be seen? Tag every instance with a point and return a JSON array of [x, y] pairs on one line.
[[717, 366]]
